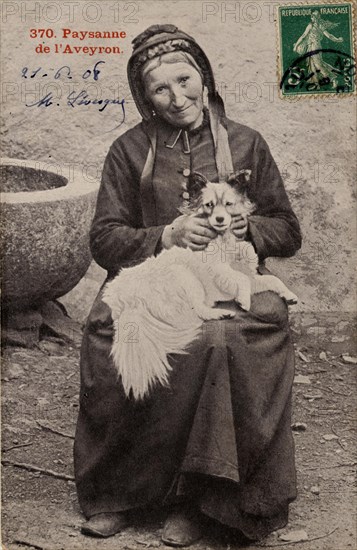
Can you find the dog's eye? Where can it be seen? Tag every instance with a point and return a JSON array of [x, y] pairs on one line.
[[209, 204], [229, 203]]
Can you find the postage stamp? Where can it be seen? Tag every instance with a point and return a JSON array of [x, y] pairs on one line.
[[316, 53]]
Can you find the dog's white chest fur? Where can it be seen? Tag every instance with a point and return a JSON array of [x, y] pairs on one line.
[[223, 258]]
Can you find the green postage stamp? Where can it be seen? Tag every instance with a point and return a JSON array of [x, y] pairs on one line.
[[316, 49]]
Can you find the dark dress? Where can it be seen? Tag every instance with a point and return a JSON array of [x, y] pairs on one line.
[[221, 432]]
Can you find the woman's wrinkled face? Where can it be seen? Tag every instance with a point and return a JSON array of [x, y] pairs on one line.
[[176, 93]]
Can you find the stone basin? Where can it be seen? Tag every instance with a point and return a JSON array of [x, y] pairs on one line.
[[44, 231]]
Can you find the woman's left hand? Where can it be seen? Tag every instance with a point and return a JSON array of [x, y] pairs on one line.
[[239, 226]]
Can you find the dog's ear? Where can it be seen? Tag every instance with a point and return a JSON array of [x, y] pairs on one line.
[[240, 180], [196, 182]]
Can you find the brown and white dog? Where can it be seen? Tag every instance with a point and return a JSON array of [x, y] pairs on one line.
[[159, 306]]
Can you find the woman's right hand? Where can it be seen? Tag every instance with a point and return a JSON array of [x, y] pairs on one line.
[[188, 232]]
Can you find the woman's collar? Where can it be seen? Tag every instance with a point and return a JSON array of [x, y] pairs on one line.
[[174, 134]]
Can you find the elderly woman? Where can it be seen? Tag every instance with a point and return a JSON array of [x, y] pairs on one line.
[[217, 441]]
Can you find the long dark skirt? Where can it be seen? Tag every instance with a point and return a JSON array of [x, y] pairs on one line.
[[220, 433]]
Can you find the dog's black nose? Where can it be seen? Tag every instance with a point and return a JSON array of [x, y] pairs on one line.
[[219, 219]]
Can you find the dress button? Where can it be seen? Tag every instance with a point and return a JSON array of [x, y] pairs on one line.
[[186, 172]]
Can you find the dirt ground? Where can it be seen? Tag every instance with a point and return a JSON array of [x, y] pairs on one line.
[[40, 391]]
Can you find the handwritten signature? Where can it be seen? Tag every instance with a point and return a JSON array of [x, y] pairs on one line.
[[77, 99]]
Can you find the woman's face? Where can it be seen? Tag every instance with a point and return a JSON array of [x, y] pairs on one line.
[[176, 93]]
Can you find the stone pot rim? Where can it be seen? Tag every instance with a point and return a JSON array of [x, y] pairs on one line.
[[74, 188]]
